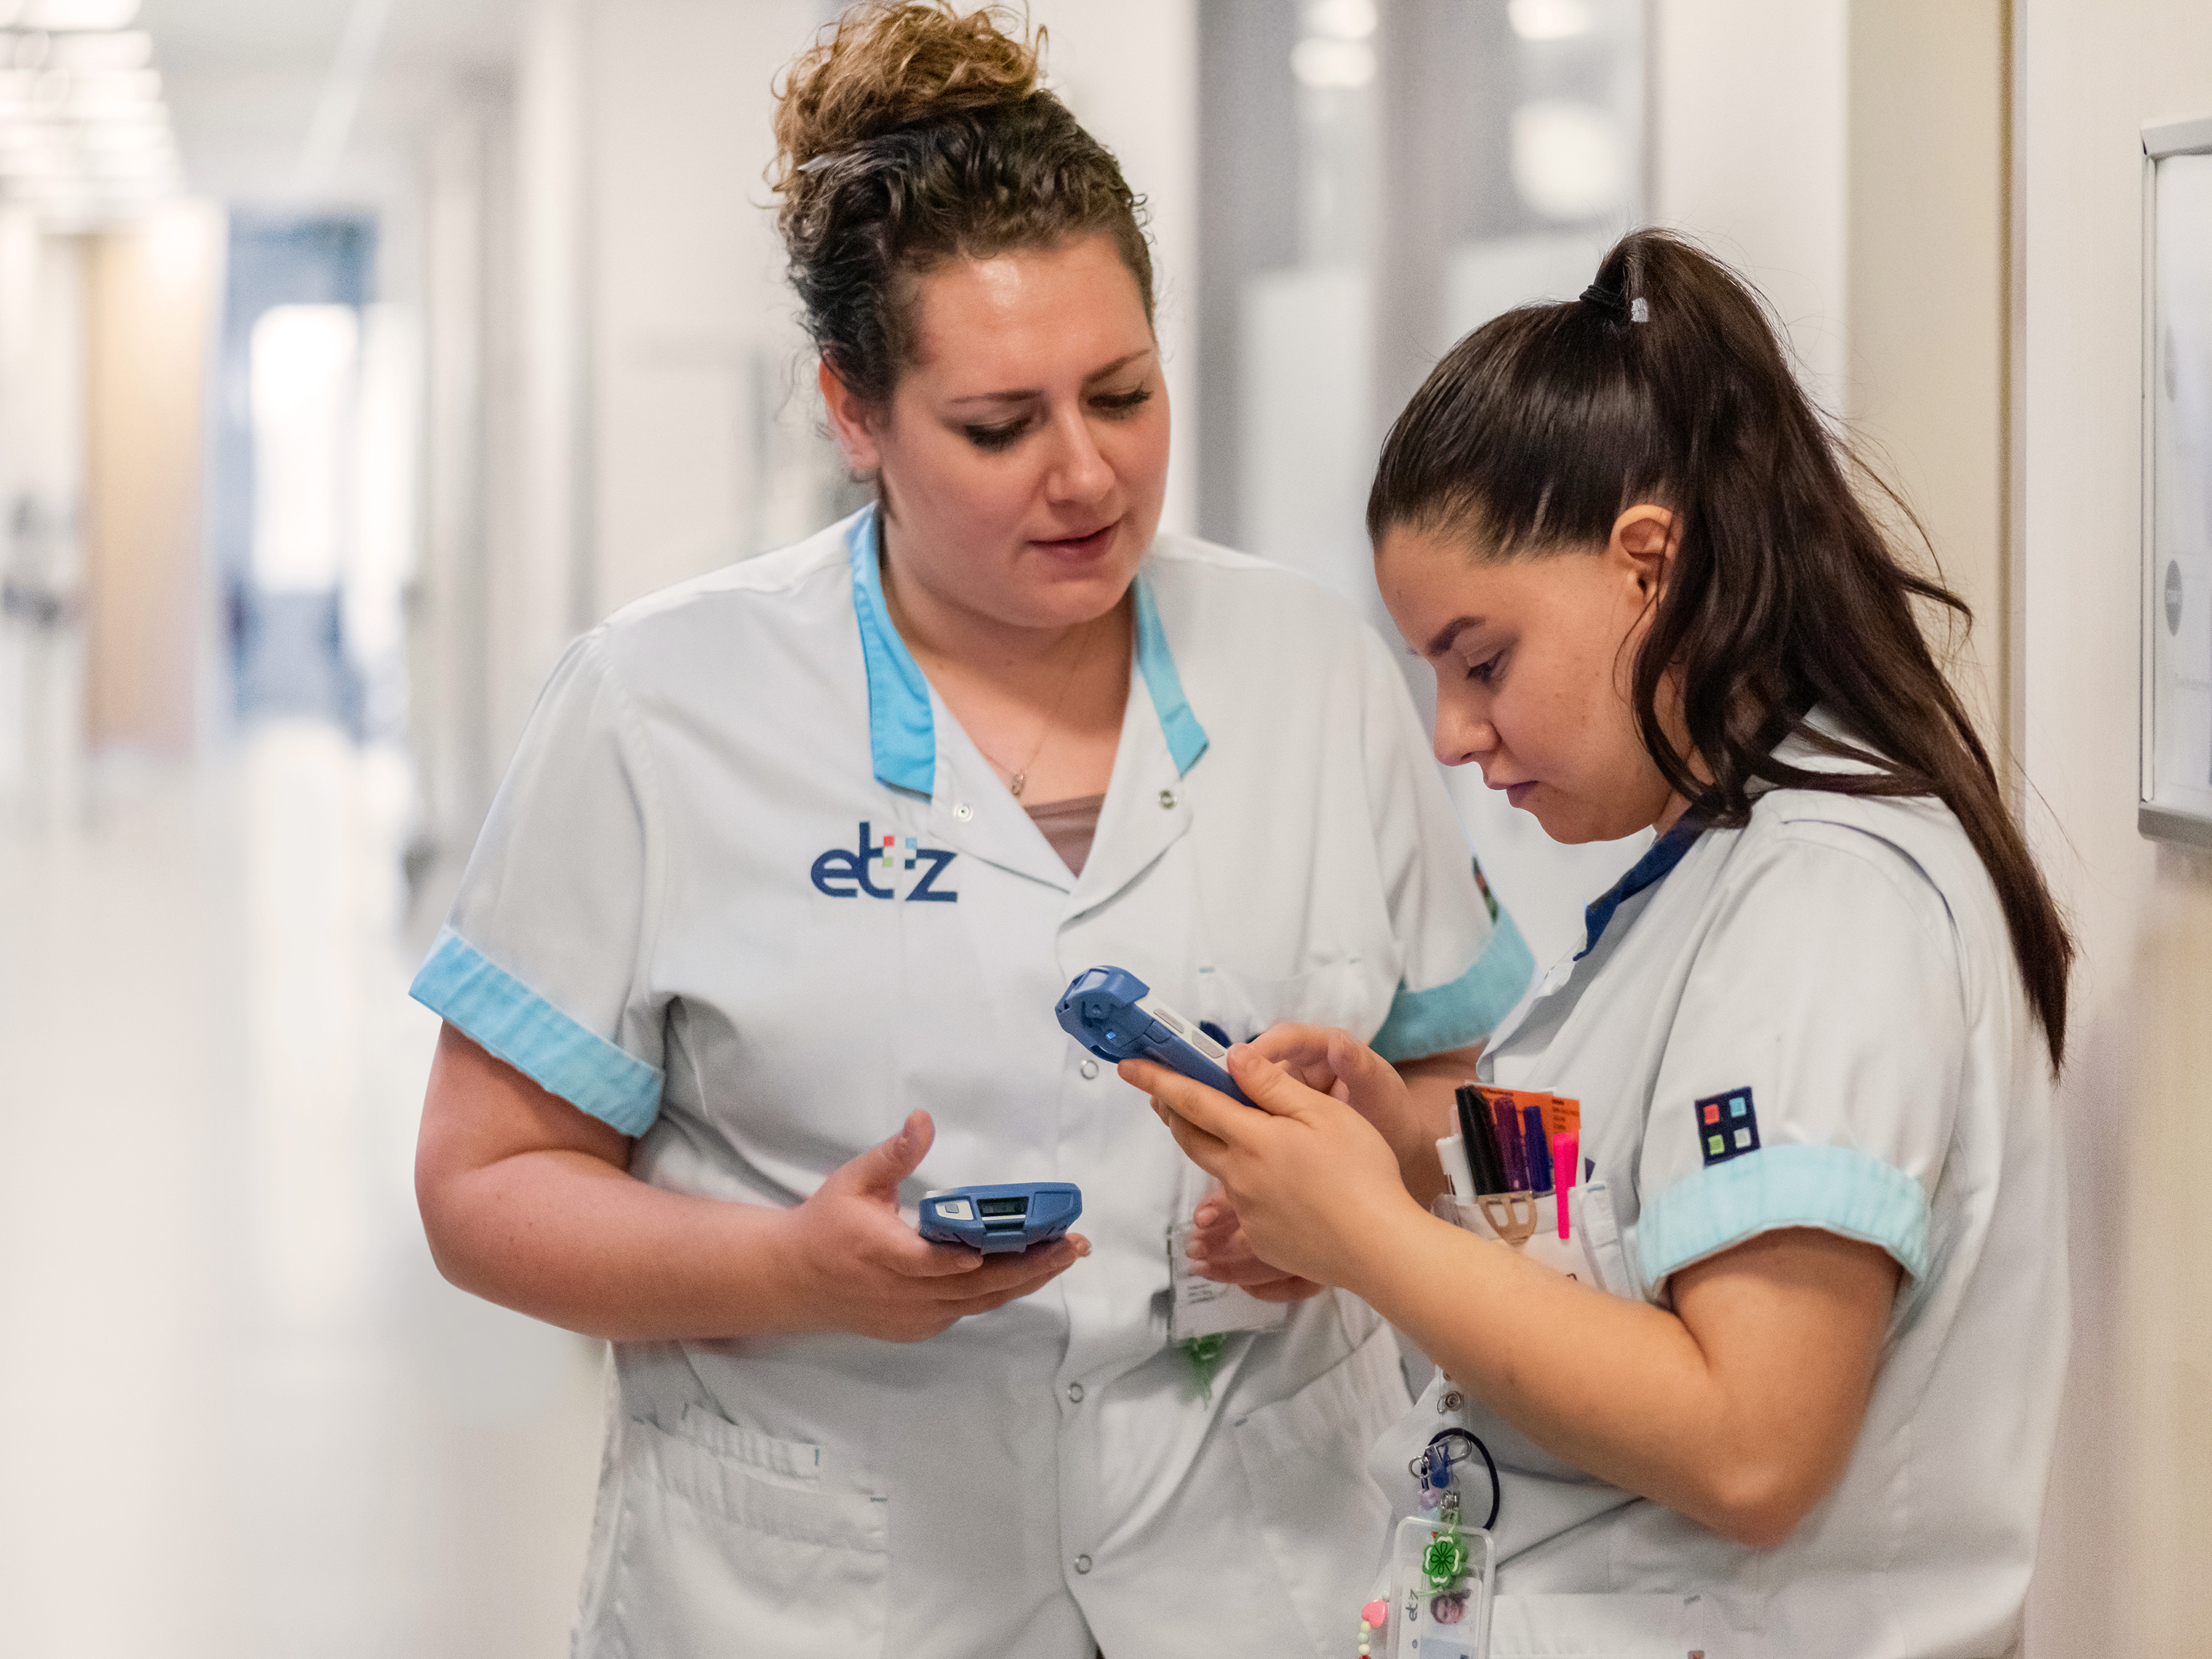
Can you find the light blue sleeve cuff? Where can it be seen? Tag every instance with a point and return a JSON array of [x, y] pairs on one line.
[[500, 1014], [1464, 1011], [1835, 1188]]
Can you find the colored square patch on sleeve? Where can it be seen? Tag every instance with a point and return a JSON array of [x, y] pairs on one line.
[[1728, 1125]]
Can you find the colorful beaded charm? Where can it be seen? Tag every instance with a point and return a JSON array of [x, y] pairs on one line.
[[1371, 1618]]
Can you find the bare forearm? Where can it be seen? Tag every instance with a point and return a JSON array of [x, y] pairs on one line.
[[567, 1238], [528, 1201], [1739, 1407], [1620, 1388]]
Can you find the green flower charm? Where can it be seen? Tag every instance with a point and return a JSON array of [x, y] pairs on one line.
[[1443, 1564], [1204, 1353]]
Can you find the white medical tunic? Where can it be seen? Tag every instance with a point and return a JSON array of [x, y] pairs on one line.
[[1816, 1020], [749, 894]]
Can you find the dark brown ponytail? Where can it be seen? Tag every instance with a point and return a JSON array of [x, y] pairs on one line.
[[1666, 383]]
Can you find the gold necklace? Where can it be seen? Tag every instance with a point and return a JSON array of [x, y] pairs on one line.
[[1017, 777]]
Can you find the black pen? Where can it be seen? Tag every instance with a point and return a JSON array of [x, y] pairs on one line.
[[1485, 1161]]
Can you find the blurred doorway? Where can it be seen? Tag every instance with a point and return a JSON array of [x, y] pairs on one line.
[[1377, 178], [314, 464]]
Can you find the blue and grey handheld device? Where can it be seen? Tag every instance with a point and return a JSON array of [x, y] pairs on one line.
[[1012, 1215], [1114, 1014]]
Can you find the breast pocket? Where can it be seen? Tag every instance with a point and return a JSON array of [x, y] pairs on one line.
[[731, 1543], [1244, 1004], [1599, 1627]]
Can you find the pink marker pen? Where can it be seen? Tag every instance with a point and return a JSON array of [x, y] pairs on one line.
[[1566, 1168]]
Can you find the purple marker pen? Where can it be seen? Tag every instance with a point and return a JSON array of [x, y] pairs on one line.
[[1509, 1142]]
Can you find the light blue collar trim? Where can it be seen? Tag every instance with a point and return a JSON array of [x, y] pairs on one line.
[[902, 733], [1186, 737]]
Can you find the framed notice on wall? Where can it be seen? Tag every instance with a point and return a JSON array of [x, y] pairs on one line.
[[2176, 793]]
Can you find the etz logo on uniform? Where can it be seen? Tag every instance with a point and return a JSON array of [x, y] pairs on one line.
[[1728, 1125], [874, 868]]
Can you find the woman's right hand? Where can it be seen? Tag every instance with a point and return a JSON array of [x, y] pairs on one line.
[[865, 1269], [1336, 1063]]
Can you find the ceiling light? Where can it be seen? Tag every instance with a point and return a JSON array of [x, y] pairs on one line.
[[1550, 20], [1319, 63], [84, 137], [116, 87], [1341, 20], [1567, 159], [90, 53], [124, 138], [155, 165], [70, 14]]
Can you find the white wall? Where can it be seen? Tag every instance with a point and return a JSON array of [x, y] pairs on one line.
[[1129, 69], [546, 594], [1926, 293], [450, 636], [1750, 154], [696, 363], [2128, 1530], [41, 483]]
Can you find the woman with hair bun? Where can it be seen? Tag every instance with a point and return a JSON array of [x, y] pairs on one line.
[[763, 936]]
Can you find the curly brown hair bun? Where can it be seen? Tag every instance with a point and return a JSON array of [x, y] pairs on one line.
[[887, 66], [914, 134]]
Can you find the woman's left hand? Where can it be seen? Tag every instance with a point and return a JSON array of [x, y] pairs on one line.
[[1219, 1251], [1307, 1174]]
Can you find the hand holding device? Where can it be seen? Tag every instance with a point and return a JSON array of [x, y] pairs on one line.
[[1008, 1217], [1114, 1014], [860, 1267], [1311, 1182], [1340, 1065], [1218, 1250]]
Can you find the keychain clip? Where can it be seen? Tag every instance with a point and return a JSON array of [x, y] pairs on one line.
[[1433, 1464]]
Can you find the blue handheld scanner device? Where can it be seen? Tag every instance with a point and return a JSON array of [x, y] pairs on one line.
[[1114, 1014], [1012, 1215]]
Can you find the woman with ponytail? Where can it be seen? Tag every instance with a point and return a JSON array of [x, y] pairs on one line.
[[1799, 1395]]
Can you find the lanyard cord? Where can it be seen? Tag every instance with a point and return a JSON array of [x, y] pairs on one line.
[[1433, 1465]]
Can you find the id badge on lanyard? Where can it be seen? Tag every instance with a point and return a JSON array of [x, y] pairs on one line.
[[1441, 1567], [1440, 1583], [1203, 1313]]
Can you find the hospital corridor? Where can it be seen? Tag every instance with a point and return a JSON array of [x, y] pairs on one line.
[[262, 1423], [656, 643]]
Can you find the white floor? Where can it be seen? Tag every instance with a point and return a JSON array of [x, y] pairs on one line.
[[239, 1412]]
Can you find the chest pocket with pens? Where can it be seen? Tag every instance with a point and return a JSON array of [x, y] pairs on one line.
[[1516, 1175], [1514, 1167]]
